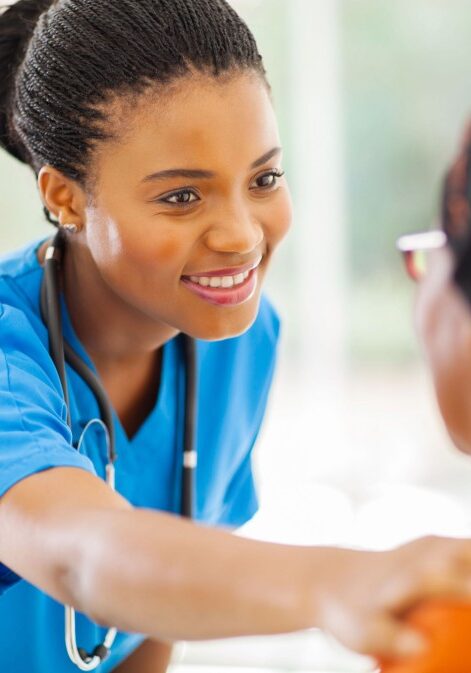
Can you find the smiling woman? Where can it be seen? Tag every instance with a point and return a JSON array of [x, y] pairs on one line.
[[161, 169], [142, 241]]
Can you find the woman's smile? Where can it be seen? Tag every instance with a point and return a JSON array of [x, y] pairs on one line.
[[224, 287], [224, 290]]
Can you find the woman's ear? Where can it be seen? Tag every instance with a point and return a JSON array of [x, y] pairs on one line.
[[62, 196]]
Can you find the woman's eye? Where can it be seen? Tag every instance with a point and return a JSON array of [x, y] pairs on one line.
[[181, 197], [269, 179]]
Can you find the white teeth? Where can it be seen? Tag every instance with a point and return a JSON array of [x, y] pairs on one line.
[[220, 281], [227, 281]]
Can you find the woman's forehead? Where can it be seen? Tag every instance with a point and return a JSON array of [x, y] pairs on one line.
[[198, 118]]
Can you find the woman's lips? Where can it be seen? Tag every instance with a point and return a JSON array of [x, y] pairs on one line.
[[233, 271], [225, 296]]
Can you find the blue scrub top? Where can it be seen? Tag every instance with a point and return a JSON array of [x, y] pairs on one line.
[[234, 378]]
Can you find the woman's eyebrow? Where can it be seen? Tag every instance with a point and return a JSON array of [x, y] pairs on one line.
[[265, 157], [192, 173]]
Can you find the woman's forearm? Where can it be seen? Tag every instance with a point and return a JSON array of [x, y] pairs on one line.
[[172, 579], [152, 656]]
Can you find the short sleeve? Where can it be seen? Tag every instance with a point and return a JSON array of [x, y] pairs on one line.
[[34, 434]]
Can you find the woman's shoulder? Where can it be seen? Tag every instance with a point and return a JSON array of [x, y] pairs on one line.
[[21, 327], [21, 260], [20, 274]]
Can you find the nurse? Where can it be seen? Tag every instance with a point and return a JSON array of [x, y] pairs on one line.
[[151, 133]]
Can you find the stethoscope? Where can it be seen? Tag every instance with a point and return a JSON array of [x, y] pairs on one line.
[[61, 351]]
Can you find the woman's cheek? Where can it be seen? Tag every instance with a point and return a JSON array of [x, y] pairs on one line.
[[104, 237], [281, 219], [153, 246], [136, 257]]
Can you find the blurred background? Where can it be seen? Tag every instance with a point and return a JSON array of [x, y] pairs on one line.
[[371, 97]]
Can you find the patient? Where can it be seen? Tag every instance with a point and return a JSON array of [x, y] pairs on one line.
[[443, 310], [441, 260]]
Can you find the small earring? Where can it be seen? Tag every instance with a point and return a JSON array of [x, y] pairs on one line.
[[71, 228]]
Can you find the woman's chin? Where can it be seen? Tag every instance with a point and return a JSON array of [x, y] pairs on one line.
[[228, 324]]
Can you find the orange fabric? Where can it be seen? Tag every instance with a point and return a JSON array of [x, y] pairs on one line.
[[447, 627]]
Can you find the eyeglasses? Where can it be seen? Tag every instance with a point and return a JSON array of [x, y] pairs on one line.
[[414, 249]]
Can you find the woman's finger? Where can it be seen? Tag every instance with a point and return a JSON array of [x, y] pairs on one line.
[[386, 637]]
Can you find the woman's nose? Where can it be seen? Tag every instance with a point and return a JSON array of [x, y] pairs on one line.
[[235, 231]]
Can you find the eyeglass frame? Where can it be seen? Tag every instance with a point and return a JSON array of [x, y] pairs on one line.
[[433, 239]]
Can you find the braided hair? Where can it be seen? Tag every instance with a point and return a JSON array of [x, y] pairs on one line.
[[63, 61], [456, 195], [456, 212]]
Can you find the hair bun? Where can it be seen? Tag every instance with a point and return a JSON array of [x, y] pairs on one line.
[[17, 23]]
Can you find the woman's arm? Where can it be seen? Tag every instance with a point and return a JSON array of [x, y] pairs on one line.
[[146, 571], [152, 656], [66, 532]]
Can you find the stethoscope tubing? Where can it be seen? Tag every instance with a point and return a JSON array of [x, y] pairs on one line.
[[61, 352]]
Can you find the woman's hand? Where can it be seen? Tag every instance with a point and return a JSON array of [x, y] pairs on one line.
[[366, 595]]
